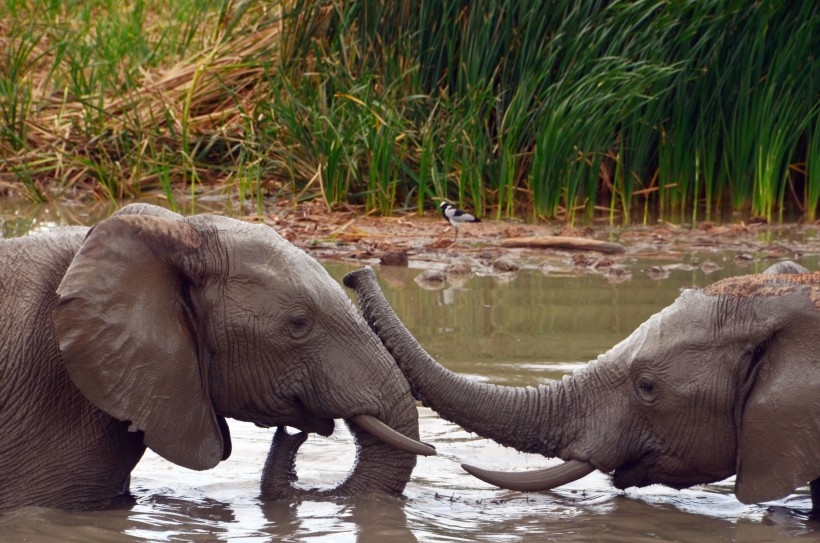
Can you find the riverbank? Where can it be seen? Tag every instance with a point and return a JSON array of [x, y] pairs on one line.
[[348, 233], [428, 242]]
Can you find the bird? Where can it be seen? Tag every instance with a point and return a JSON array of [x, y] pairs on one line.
[[455, 216]]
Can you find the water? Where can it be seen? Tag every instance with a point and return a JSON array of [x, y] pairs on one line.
[[524, 329], [440, 504]]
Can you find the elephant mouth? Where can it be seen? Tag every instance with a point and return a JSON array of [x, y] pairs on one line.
[[325, 425], [316, 425], [629, 475], [648, 470], [307, 424], [634, 476], [639, 471], [373, 426]]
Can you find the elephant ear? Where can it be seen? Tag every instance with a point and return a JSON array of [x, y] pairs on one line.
[[128, 338], [780, 421]]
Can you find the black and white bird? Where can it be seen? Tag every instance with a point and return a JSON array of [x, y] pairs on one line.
[[455, 216]]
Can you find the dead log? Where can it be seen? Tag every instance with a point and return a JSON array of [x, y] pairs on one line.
[[564, 242]]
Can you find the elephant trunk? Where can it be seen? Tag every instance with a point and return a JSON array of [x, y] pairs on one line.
[[524, 418], [379, 466], [512, 416], [386, 449]]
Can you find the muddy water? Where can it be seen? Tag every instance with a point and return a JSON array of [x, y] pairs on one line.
[[524, 329]]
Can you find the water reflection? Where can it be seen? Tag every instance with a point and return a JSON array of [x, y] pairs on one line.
[[20, 217], [25, 218], [513, 331], [531, 327]]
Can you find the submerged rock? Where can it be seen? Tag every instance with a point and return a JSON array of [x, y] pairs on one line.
[[461, 266], [505, 264], [394, 258], [431, 279]]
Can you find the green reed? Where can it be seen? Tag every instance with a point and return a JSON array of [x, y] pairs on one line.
[[811, 194], [596, 99], [564, 110]]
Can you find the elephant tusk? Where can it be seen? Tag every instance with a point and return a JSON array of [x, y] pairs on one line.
[[533, 481], [388, 435]]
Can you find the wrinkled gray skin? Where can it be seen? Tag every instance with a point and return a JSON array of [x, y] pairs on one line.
[[724, 381], [167, 325]]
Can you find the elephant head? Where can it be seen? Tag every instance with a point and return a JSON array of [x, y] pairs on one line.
[[174, 323], [724, 381]]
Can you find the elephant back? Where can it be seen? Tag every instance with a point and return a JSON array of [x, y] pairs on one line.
[[38, 394], [764, 284]]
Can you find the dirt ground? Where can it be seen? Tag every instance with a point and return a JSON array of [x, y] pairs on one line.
[[503, 246]]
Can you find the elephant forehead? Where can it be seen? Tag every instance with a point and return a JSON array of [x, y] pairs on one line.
[[245, 240], [262, 256], [257, 254], [666, 328], [688, 311], [258, 246]]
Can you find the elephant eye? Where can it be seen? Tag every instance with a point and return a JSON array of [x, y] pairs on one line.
[[298, 326], [646, 389]]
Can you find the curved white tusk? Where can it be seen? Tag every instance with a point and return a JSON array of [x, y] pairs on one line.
[[533, 481], [388, 435]]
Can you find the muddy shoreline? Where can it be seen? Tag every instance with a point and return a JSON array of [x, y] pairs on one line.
[[489, 247], [505, 246]]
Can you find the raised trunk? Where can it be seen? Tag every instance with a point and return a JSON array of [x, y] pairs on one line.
[[516, 417]]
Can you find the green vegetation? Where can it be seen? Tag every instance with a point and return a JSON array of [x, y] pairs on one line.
[[634, 109]]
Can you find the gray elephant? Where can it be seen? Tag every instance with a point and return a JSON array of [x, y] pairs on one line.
[[150, 328], [724, 381]]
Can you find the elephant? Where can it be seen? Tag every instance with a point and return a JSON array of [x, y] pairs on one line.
[[724, 381], [149, 329]]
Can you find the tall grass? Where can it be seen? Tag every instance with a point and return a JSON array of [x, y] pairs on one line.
[[129, 96], [635, 110], [811, 194]]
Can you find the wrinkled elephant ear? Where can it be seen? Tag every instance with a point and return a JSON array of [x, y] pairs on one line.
[[128, 337], [783, 409], [780, 421]]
